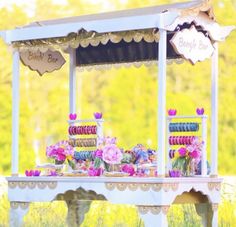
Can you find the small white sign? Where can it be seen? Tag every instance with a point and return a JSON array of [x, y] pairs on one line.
[[192, 45], [42, 62]]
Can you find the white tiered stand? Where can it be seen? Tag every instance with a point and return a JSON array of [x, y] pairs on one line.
[[152, 195], [203, 119]]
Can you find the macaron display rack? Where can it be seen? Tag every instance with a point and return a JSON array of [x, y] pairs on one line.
[[84, 134], [181, 131]]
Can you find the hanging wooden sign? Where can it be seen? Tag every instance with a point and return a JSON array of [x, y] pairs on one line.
[[42, 62], [192, 45]]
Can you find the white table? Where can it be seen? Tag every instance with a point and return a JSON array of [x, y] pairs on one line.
[[152, 196]]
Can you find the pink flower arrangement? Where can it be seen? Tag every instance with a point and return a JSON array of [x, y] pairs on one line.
[[60, 151], [195, 149], [186, 158], [111, 154], [107, 153]]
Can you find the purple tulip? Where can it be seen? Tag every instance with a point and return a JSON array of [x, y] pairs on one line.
[[37, 173], [73, 116], [97, 115], [53, 173], [174, 173], [31, 173], [27, 173], [172, 112], [200, 111]]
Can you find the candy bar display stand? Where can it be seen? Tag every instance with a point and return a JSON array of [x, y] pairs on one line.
[[182, 130], [153, 35]]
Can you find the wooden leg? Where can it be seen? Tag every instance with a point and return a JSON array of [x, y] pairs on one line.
[[76, 212], [17, 212], [209, 214], [214, 208], [154, 215]]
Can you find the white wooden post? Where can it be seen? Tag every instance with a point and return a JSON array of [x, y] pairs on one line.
[[204, 153], [168, 147], [72, 81], [15, 112], [161, 102], [214, 112]]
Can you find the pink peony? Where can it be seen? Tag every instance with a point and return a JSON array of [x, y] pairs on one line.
[[111, 154], [182, 151]]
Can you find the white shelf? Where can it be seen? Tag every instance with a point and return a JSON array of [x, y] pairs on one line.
[[85, 120], [186, 116]]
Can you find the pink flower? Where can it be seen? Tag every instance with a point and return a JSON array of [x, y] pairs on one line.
[[128, 169], [95, 172], [110, 140], [182, 151], [98, 153], [60, 150], [106, 140], [196, 144], [112, 154], [195, 154], [195, 149]]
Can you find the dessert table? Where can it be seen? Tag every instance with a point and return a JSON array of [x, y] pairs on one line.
[[152, 196]]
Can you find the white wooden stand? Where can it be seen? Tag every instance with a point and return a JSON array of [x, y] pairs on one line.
[[152, 196]]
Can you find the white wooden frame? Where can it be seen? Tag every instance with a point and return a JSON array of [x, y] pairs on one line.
[[161, 106]]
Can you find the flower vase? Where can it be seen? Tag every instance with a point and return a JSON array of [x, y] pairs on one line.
[[193, 167], [58, 170], [69, 169], [115, 168], [186, 169]]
